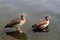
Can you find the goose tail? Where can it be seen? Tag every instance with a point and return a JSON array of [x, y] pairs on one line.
[[8, 25]]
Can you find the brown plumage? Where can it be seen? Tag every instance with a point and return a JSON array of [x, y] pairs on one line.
[[18, 22], [13, 22], [42, 23]]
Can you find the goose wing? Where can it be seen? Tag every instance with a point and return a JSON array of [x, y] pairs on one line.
[[13, 22], [41, 22]]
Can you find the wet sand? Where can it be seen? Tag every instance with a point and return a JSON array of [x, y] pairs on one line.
[[35, 9]]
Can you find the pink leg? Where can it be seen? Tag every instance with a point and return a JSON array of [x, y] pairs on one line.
[[18, 28]]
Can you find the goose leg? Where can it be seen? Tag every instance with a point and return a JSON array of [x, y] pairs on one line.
[[19, 29], [44, 30]]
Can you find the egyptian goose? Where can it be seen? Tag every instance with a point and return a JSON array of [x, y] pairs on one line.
[[18, 22], [42, 23]]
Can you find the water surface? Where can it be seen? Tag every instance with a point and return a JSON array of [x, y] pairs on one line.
[[35, 9]]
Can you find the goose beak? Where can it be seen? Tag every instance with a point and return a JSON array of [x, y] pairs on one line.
[[49, 16]]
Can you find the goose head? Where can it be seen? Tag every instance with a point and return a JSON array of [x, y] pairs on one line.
[[23, 16], [47, 17]]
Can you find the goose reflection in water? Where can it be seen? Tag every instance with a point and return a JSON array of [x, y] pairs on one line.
[[16, 34]]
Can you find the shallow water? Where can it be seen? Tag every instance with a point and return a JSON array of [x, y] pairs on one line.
[[35, 9]]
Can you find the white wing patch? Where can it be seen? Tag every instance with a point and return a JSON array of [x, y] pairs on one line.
[[21, 23], [45, 25]]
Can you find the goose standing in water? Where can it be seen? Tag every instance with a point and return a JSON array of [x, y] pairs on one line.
[[43, 23], [18, 22]]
